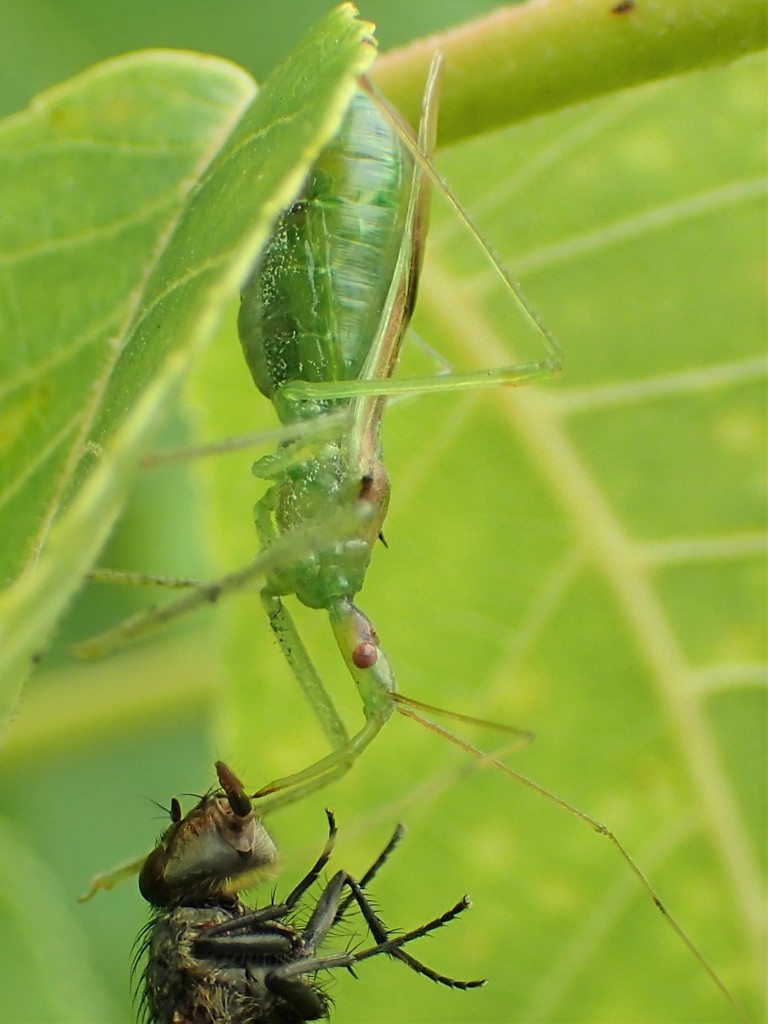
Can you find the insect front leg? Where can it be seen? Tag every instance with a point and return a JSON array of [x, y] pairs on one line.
[[375, 681], [290, 642]]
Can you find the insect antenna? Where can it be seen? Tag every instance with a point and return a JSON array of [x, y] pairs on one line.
[[409, 708], [333, 424]]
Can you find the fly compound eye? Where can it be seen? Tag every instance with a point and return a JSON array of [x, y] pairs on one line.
[[365, 655]]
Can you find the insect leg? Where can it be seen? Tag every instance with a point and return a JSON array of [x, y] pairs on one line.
[[304, 671], [283, 551], [375, 684], [524, 373], [328, 426], [373, 870], [290, 641], [314, 873], [384, 944], [303, 445], [266, 939]]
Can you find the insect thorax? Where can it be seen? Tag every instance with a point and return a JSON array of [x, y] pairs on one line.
[[321, 486]]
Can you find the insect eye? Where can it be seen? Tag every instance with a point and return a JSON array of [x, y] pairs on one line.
[[365, 655]]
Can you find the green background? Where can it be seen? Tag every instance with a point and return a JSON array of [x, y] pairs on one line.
[[581, 558]]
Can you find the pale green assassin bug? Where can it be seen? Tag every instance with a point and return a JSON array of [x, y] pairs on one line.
[[322, 337], [326, 337], [322, 334]]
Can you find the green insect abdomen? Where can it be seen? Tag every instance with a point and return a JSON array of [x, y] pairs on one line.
[[313, 302]]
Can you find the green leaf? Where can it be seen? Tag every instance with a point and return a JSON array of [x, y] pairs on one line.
[[96, 174], [582, 557], [141, 193]]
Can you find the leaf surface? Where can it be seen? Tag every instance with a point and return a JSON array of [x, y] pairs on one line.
[[160, 197]]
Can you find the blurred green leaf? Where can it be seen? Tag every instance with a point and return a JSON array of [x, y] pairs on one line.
[[583, 558], [57, 952]]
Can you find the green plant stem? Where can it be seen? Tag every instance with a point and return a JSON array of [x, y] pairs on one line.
[[522, 61]]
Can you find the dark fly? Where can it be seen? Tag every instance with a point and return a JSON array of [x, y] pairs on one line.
[[209, 959]]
